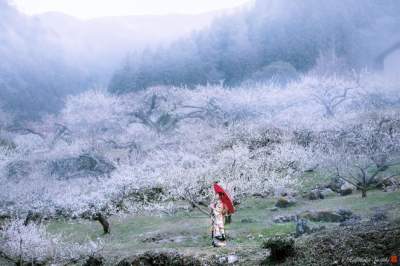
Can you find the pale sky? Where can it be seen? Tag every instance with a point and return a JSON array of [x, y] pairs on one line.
[[96, 8]]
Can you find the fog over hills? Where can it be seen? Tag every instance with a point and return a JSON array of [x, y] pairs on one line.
[[48, 56], [110, 38], [44, 58], [271, 36]]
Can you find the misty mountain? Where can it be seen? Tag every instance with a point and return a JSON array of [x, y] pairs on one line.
[[47, 57], [272, 38], [100, 44], [34, 75]]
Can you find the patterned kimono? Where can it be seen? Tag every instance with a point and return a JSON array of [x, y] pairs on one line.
[[218, 219]]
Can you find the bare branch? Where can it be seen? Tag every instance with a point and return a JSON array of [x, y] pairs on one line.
[[24, 131]]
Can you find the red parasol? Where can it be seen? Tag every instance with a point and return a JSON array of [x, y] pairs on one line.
[[226, 200]]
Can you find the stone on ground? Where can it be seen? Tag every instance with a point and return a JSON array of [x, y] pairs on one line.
[[285, 202], [327, 215]]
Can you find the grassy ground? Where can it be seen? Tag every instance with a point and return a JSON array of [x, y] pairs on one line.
[[189, 233]]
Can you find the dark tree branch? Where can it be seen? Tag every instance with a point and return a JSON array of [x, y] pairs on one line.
[[61, 132], [194, 204], [24, 131]]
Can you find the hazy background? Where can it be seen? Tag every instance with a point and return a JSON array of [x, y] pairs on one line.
[[46, 56]]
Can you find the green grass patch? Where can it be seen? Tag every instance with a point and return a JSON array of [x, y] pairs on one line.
[[190, 232], [310, 180], [279, 229]]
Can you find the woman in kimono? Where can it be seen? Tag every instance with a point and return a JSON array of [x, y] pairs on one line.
[[218, 212]]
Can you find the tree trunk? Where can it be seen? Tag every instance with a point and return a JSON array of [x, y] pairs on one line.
[[32, 217], [364, 192], [103, 221]]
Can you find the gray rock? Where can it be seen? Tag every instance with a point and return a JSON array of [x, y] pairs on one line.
[[322, 216], [383, 182], [327, 192], [315, 194], [335, 184], [80, 167], [232, 259], [327, 216], [390, 184], [222, 260], [346, 189], [391, 189], [284, 219], [285, 202]]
